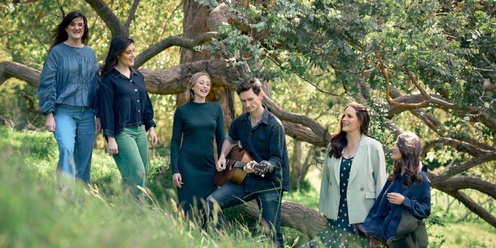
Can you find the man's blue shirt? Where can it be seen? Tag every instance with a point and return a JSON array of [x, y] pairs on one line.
[[265, 141]]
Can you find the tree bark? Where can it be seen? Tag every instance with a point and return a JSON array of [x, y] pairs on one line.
[[294, 215]]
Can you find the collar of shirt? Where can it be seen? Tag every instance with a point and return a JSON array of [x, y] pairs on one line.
[[115, 73], [265, 117]]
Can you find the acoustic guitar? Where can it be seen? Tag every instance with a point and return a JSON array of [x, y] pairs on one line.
[[236, 160]]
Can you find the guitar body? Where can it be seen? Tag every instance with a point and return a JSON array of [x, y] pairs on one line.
[[234, 172]]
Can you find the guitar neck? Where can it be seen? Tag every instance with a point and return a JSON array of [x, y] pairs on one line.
[[239, 164]]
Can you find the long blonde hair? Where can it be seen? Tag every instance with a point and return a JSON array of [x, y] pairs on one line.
[[190, 95]]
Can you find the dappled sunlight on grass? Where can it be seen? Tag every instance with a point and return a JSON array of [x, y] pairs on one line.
[[34, 213]]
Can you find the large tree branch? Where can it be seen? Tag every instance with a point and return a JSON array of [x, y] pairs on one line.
[[170, 41], [470, 146], [300, 119], [132, 13], [174, 80], [297, 216], [108, 17], [455, 184], [455, 170], [303, 133], [27, 74], [468, 202]]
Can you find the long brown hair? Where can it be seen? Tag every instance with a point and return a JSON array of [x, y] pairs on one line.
[[118, 45], [410, 148], [339, 140]]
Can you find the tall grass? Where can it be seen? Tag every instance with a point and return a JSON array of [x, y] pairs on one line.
[[33, 213]]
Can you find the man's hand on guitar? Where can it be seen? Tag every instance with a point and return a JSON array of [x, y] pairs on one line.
[[259, 168], [249, 167], [177, 180], [221, 164]]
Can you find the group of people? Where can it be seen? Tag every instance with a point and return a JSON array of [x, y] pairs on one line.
[[79, 99], [362, 205]]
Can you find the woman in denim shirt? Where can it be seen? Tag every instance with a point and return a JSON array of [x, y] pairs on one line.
[[68, 92], [127, 113]]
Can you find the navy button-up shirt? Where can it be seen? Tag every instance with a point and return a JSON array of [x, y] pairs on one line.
[[265, 141], [124, 102]]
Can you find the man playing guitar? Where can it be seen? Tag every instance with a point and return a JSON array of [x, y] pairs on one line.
[[260, 134]]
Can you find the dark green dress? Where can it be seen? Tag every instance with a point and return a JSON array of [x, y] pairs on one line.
[[192, 150]]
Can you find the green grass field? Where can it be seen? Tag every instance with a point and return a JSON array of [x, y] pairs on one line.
[[33, 213]]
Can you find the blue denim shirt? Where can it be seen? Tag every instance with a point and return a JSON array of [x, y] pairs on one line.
[[124, 102], [265, 141], [69, 77]]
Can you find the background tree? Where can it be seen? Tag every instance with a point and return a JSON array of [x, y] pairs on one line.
[[423, 66]]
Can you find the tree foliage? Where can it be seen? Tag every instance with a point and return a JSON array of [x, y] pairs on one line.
[[422, 66]]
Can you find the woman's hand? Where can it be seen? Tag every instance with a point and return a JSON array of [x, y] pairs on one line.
[[153, 136], [177, 180], [50, 122], [112, 147], [395, 198]]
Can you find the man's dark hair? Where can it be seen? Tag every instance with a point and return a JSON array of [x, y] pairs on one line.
[[251, 83]]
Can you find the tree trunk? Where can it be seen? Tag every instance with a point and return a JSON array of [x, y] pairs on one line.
[[296, 165], [196, 22], [294, 215]]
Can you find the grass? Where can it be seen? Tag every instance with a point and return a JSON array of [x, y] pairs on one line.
[[33, 213]]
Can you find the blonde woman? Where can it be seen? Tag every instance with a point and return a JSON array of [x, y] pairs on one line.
[[196, 124]]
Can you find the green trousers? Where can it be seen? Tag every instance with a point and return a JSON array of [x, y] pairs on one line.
[[132, 159]]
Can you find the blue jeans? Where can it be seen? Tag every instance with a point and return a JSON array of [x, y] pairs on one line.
[[75, 134], [132, 159], [269, 201]]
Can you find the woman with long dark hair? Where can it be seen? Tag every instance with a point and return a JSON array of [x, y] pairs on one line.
[[395, 218], [68, 95], [127, 114], [354, 172]]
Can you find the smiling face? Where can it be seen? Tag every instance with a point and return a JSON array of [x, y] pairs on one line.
[[201, 88], [75, 30], [126, 58], [349, 121]]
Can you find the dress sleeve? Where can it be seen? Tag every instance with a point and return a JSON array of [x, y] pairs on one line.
[[106, 106], [177, 130], [219, 131], [47, 87]]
